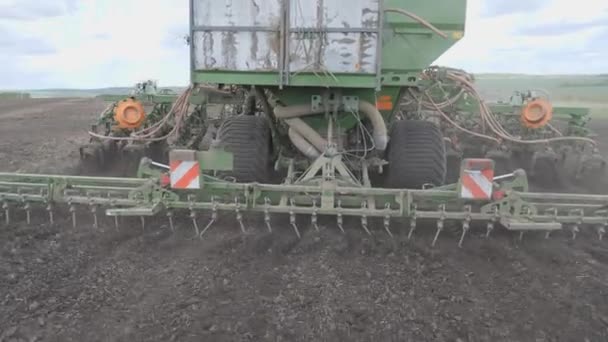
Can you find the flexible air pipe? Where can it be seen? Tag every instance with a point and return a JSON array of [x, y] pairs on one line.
[[380, 131], [297, 111], [292, 114], [303, 145], [308, 133]]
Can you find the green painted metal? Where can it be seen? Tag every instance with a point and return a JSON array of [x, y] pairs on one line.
[[200, 98], [156, 99], [145, 197], [409, 47], [271, 79], [215, 160], [346, 120]]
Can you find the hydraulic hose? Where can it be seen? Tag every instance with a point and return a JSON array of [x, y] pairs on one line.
[[488, 118], [418, 19]]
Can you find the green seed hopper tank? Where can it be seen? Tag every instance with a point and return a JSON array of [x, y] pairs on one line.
[[364, 45]]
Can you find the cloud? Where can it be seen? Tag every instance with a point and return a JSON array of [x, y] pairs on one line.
[[553, 29], [16, 74], [20, 44], [98, 45], [554, 38], [34, 9], [175, 37], [493, 8]]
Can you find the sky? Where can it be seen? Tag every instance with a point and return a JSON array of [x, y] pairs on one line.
[[104, 43]]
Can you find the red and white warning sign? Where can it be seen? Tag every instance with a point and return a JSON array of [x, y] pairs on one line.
[[477, 179], [185, 175], [185, 170]]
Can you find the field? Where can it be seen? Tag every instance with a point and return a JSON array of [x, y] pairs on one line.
[[63, 284]]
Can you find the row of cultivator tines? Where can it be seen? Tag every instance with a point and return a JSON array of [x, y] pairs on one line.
[[479, 199]]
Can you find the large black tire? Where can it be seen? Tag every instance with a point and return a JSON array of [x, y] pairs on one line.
[[248, 138], [416, 156]]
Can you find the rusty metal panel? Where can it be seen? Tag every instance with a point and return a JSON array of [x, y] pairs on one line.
[[334, 36], [334, 13], [237, 51], [260, 13], [236, 35], [333, 52], [323, 35]]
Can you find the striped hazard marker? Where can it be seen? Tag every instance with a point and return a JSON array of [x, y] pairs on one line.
[[185, 174], [477, 179]]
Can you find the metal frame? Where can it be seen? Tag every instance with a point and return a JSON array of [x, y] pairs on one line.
[[144, 197]]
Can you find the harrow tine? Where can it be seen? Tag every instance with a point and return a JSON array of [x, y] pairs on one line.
[[341, 223], [292, 219], [314, 218], [268, 222], [575, 231], [492, 223], [465, 229], [601, 231], [387, 220], [340, 218], [267, 215], [49, 209], [116, 223], [142, 219], [194, 217], [440, 225], [387, 225], [95, 220], [466, 225], [439, 229], [413, 224], [214, 217], [577, 225], [28, 212], [239, 215], [364, 225], [292, 222], [7, 213], [171, 223], [195, 222], [489, 229], [314, 222], [207, 227], [521, 236], [73, 214], [554, 213], [364, 218]]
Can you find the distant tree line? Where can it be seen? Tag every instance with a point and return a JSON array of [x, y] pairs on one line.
[[14, 96]]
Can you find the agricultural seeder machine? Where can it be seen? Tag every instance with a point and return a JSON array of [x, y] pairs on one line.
[[310, 109]]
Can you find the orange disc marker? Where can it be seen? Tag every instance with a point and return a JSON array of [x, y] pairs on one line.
[[537, 113], [129, 114]]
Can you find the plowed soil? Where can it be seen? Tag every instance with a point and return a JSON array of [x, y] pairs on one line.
[[59, 283]]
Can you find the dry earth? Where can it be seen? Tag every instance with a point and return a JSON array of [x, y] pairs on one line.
[[63, 284]]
